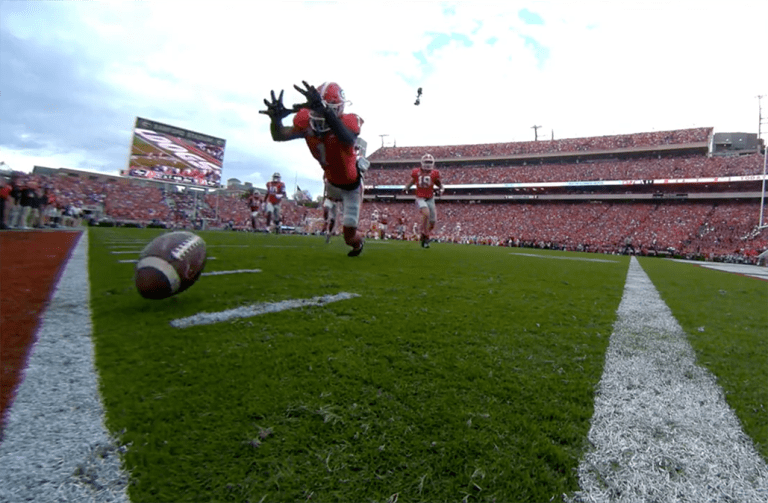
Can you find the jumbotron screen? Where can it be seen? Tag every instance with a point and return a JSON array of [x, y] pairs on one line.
[[168, 153]]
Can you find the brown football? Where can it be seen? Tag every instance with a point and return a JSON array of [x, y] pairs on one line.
[[170, 264]]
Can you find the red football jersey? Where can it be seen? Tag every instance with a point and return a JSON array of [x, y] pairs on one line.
[[337, 160], [254, 202], [425, 182], [275, 192]]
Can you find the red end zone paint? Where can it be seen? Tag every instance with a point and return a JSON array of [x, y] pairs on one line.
[[30, 263]]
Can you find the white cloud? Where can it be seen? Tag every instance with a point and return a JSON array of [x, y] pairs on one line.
[[588, 68]]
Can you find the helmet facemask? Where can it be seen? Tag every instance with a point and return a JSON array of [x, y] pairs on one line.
[[333, 99], [427, 162]]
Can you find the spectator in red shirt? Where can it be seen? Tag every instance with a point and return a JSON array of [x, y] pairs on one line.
[[5, 194]]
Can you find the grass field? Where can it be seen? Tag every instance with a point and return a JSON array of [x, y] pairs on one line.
[[456, 373]]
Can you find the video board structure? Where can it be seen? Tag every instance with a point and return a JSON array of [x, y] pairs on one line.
[[175, 155]]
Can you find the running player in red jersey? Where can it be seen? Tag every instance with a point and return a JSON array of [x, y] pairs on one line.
[[333, 139], [401, 225], [275, 194], [426, 178]]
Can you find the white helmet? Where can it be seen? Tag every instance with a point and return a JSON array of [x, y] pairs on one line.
[[427, 162], [276, 177]]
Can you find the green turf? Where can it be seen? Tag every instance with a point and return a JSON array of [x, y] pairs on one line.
[[726, 318], [460, 373]]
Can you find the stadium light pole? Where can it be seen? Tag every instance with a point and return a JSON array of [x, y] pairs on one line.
[[535, 132], [382, 139], [760, 225]]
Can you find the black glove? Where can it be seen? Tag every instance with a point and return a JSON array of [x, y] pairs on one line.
[[276, 110], [314, 100]]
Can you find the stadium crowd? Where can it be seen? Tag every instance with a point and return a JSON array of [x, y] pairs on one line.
[[693, 166], [713, 229], [723, 230], [596, 143]]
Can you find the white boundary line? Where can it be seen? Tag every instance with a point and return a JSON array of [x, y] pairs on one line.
[[661, 429], [257, 309], [56, 446]]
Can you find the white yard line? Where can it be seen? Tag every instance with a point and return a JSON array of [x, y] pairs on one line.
[[55, 446], [661, 429], [755, 271], [258, 309]]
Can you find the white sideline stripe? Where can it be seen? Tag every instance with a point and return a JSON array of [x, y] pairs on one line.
[[565, 258], [258, 309], [55, 426], [237, 271], [661, 429], [125, 252]]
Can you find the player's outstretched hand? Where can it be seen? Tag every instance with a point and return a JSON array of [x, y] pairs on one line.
[[314, 100], [275, 109]]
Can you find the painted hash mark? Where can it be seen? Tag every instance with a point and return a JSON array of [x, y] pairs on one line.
[[583, 259], [258, 309], [237, 271], [135, 260]]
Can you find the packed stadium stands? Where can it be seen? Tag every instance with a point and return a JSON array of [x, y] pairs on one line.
[[687, 202], [694, 136], [652, 193]]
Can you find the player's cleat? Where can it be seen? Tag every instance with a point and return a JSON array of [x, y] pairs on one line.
[[425, 243], [357, 251]]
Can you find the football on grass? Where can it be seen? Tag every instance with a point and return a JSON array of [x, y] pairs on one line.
[[170, 264]]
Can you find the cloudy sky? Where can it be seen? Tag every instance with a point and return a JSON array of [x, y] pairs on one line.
[[75, 75]]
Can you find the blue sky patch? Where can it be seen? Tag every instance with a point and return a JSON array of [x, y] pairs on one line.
[[440, 40], [529, 17], [541, 52]]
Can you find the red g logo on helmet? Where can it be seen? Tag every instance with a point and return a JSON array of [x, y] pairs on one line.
[[333, 97]]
